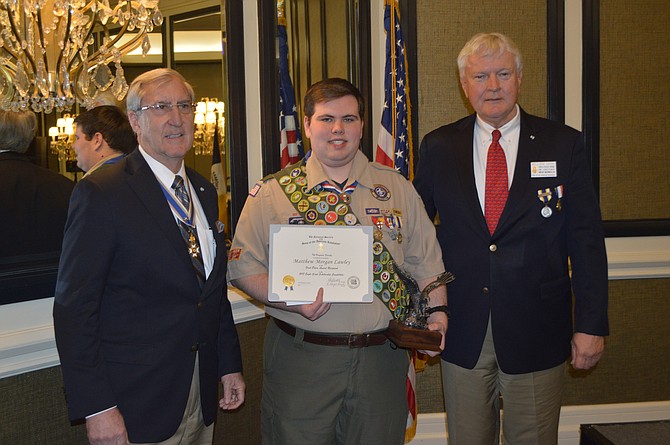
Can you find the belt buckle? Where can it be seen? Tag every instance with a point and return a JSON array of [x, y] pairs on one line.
[[358, 340]]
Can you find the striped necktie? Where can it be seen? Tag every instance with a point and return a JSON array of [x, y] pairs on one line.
[[188, 229]]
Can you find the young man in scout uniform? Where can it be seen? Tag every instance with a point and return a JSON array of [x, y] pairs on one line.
[[330, 375]]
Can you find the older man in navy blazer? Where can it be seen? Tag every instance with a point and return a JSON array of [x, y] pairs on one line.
[[143, 324], [512, 249]]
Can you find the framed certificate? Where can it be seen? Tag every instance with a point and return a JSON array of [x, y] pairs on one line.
[[304, 258]]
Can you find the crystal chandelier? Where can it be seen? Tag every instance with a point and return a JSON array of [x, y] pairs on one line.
[[54, 53], [209, 118]]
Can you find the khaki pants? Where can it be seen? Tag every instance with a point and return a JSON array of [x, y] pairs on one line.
[[192, 429], [531, 402]]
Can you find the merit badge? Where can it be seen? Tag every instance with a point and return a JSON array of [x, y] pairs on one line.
[[332, 199], [341, 209], [385, 257], [295, 197], [350, 219], [331, 217], [377, 248], [393, 304], [284, 180], [377, 286], [544, 195], [381, 192], [303, 206], [322, 207]]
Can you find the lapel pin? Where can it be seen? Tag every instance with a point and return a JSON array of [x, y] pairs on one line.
[[532, 137], [202, 189]]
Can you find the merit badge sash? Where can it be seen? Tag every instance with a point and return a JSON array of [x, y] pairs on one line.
[[326, 204]]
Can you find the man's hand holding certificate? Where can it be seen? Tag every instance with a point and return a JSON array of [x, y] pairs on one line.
[[305, 258]]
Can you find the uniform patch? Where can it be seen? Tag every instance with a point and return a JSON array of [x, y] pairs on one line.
[[234, 254], [254, 191]]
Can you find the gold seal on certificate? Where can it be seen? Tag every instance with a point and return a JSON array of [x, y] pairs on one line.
[[305, 258], [412, 332]]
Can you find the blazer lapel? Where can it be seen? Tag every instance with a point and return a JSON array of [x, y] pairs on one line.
[[199, 185], [206, 201], [466, 173], [143, 181], [521, 181]]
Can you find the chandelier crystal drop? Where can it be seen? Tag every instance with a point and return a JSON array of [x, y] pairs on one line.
[[54, 53]]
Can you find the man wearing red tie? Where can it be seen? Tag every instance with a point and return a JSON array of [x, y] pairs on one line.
[[517, 209]]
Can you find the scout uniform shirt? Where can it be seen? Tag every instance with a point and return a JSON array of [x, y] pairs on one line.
[[382, 198]]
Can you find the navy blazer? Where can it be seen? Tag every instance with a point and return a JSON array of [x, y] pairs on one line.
[[33, 206], [520, 275], [129, 314]]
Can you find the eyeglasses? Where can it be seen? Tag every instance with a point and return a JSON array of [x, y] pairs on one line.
[[161, 109]]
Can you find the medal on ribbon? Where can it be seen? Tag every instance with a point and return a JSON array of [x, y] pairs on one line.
[[559, 195], [545, 196]]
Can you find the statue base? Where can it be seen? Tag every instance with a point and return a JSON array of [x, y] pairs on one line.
[[413, 338]]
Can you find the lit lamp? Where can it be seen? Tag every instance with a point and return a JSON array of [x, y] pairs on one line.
[[49, 57], [62, 137], [209, 118]]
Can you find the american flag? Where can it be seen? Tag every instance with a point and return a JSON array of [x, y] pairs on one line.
[[394, 146], [290, 145]]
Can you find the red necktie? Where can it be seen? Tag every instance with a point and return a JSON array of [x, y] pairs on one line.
[[496, 183]]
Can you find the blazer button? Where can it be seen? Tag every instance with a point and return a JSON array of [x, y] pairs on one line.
[[194, 347], [493, 247], [199, 306], [485, 290]]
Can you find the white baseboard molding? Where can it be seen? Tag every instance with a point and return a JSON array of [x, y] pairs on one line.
[[432, 430]]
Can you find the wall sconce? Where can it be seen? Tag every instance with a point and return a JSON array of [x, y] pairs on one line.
[[62, 137], [209, 120]]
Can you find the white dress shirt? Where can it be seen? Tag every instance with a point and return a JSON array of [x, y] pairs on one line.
[[482, 138]]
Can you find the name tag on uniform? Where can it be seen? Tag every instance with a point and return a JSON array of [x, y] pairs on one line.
[[543, 169]]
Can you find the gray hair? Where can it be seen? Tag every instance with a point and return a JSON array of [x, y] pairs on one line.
[[159, 76], [489, 44], [17, 130]]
